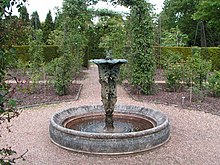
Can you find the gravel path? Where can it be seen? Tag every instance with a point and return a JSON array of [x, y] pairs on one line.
[[195, 136]]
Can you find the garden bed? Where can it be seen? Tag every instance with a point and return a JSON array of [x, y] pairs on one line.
[[27, 95], [180, 99], [44, 94]]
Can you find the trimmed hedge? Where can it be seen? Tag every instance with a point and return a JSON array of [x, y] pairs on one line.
[[50, 52], [208, 53], [214, 56], [96, 53], [22, 53]]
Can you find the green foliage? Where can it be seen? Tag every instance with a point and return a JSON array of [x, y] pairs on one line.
[[107, 33], [214, 83], [179, 13], [6, 6], [22, 53], [211, 54], [35, 20], [174, 37], [24, 15], [192, 72], [8, 108], [14, 31], [48, 27], [188, 14], [197, 69], [59, 70], [55, 37], [174, 71], [73, 21], [62, 70], [7, 105], [50, 52], [114, 35], [208, 11], [141, 58], [58, 19], [104, 13], [36, 58]]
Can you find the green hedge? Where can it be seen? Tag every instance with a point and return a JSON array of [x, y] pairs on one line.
[[96, 53], [209, 53], [213, 55], [50, 52], [22, 53]]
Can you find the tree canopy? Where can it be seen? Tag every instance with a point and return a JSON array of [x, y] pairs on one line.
[[208, 12], [48, 26], [35, 20], [187, 14]]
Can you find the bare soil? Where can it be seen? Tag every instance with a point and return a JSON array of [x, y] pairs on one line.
[[28, 95], [199, 102], [45, 94]]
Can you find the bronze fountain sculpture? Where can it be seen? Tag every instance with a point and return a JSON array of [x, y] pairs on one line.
[[108, 77], [123, 129]]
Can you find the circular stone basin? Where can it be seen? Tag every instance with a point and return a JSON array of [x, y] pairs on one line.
[[82, 129], [123, 123]]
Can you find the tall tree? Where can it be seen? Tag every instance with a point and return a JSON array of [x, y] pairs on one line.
[[35, 20], [24, 15], [208, 12], [24, 27], [75, 20], [179, 13], [14, 30], [142, 59], [48, 26], [58, 19]]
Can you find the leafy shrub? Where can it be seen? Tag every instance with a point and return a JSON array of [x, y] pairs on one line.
[[197, 69], [214, 84], [62, 73], [174, 37], [212, 54], [174, 71], [36, 58]]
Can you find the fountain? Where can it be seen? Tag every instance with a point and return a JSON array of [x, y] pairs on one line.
[[123, 129]]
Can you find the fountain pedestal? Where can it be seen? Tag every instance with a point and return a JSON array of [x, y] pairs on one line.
[[108, 77]]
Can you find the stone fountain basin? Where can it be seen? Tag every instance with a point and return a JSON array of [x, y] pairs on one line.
[[106, 143]]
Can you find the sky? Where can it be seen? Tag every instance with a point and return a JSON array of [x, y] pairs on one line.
[[43, 6]]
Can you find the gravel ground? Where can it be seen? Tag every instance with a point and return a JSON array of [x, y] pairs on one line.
[[195, 136]]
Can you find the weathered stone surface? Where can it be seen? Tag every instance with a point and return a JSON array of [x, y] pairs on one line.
[[109, 143], [108, 77]]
